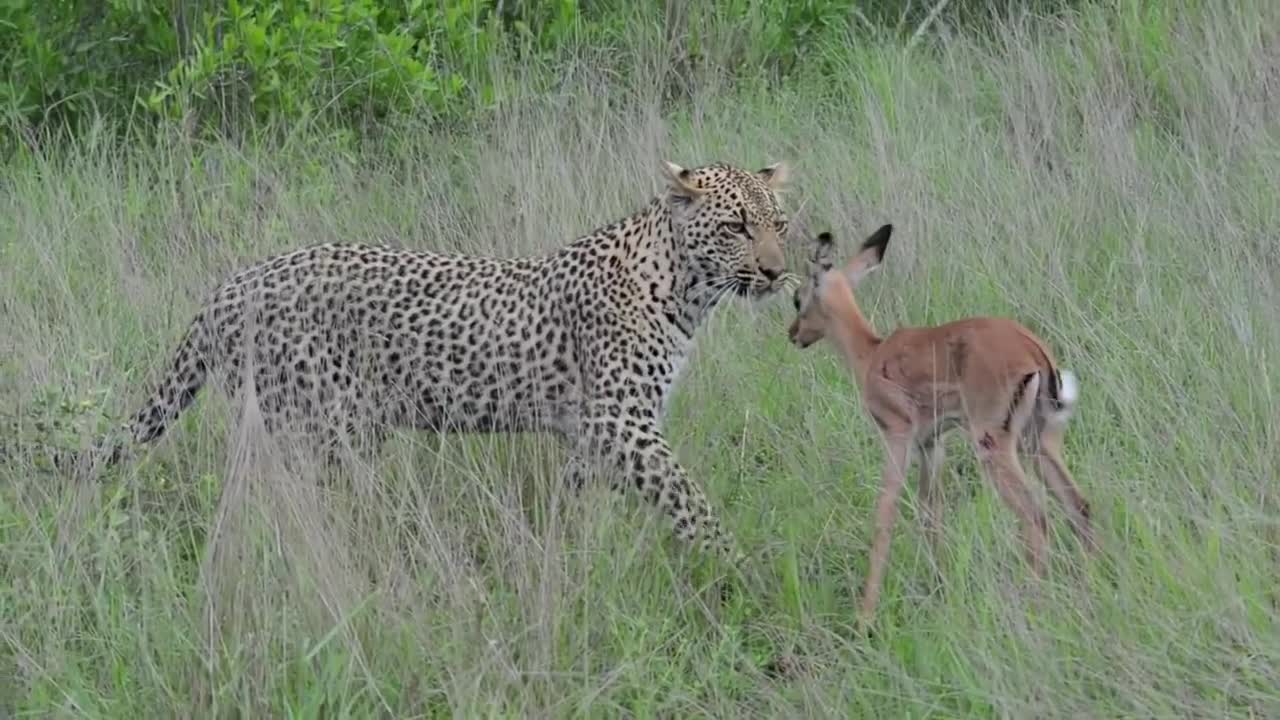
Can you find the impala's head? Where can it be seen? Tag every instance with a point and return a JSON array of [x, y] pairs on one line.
[[732, 225], [827, 285]]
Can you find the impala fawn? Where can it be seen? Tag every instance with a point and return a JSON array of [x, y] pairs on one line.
[[990, 376]]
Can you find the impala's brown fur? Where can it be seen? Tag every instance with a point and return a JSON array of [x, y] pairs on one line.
[[990, 376]]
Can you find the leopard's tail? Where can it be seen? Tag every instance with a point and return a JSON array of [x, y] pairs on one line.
[[187, 373]]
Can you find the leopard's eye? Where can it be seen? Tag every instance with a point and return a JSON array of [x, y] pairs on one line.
[[736, 228]]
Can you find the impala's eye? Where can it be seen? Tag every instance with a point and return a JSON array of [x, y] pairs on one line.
[[736, 228]]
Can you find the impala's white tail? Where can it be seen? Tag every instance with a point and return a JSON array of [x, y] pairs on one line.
[[1070, 388], [1063, 391]]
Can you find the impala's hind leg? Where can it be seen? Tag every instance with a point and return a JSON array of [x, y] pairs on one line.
[[997, 452], [996, 444], [1052, 470], [932, 454]]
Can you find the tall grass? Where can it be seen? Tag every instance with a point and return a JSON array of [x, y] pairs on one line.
[[1108, 177]]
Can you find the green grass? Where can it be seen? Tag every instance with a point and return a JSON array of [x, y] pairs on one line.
[[1125, 211]]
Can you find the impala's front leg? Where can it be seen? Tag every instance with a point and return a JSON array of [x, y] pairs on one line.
[[633, 449]]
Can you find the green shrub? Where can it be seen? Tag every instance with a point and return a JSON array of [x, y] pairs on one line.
[[65, 59], [288, 59], [237, 63]]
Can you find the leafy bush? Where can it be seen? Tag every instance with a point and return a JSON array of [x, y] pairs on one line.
[[229, 62], [67, 58], [295, 58]]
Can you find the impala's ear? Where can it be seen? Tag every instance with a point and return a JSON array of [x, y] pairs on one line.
[[869, 256], [680, 181], [820, 258], [775, 176]]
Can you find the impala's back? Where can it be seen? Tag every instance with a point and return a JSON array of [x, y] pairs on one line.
[[963, 368]]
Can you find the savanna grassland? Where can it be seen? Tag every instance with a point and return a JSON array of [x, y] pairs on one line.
[[1108, 175]]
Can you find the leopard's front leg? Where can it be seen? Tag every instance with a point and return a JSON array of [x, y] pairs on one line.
[[632, 448]]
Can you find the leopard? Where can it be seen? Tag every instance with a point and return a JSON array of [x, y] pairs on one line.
[[343, 342]]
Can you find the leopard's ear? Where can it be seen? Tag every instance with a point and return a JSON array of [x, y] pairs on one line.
[[775, 175], [680, 182]]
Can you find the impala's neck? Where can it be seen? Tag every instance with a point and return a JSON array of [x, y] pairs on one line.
[[849, 330]]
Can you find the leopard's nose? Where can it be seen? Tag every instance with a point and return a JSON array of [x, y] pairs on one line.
[[771, 273]]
